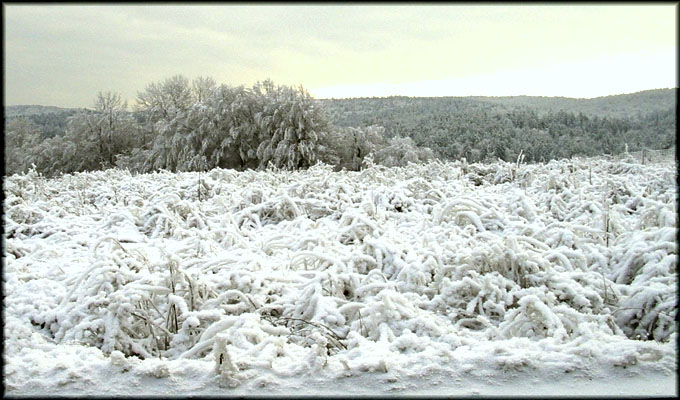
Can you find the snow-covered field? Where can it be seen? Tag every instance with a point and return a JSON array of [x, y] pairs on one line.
[[441, 279]]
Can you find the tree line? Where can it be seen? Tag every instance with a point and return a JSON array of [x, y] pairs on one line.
[[179, 124], [480, 130], [182, 125]]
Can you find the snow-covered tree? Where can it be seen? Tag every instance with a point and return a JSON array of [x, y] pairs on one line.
[[202, 88], [115, 128], [353, 144], [291, 126], [21, 138], [218, 131], [165, 106], [235, 127], [93, 139], [167, 143], [237, 132], [164, 100]]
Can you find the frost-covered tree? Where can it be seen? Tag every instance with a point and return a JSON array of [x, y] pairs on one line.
[[236, 139], [116, 129], [353, 144], [164, 100], [86, 131], [235, 127], [218, 131], [60, 155], [167, 144], [93, 139], [21, 138], [197, 126], [291, 126], [202, 88]]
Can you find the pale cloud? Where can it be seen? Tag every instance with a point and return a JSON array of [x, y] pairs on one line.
[[62, 55]]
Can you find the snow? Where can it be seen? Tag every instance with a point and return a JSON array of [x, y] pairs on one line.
[[435, 279]]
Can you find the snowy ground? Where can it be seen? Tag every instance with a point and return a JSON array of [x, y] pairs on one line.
[[441, 279]]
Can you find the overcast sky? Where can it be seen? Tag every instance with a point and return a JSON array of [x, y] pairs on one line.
[[63, 55]]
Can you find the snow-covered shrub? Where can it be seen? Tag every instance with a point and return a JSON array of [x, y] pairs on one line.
[[400, 151], [315, 268], [650, 311], [648, 269], [537, 315], [108, 306]]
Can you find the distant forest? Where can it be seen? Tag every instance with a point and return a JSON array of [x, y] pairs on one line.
[[544, 128], [183, 125]]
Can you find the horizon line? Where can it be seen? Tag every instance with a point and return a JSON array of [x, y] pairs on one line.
[[496, 96], [413, 97]]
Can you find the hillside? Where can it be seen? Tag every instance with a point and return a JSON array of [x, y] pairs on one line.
[[50, 121], [623, 105], [353, 112], [377, 110], [482, 128], [25, 110]]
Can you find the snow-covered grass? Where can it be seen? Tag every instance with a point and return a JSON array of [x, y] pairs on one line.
[[239, 281]]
